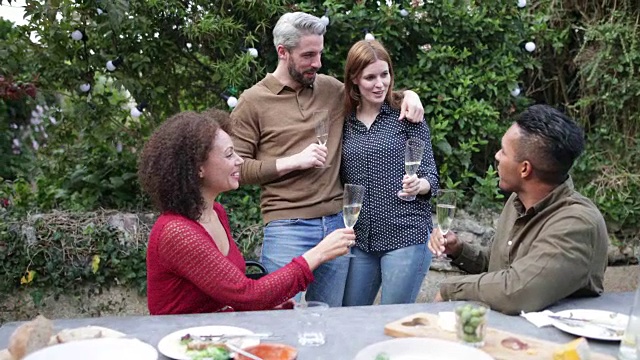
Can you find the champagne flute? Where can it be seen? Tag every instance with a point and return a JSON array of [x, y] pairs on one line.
[[352, 204], [413, 152], [321, 121], [445, 212]]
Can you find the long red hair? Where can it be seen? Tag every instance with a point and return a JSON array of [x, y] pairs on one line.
[[362, 54]]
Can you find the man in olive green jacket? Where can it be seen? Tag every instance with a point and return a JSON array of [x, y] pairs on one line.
[[550, 242]]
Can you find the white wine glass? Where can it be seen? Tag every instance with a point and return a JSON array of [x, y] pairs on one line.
[[445, 212], [413, 151], [352, 200], [321, 121]]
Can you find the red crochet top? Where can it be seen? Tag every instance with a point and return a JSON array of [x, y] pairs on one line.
[[186, 273]]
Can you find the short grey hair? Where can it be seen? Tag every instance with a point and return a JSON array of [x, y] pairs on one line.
[[292, 26]]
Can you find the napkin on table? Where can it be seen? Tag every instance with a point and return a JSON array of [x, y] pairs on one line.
[[538, 319]]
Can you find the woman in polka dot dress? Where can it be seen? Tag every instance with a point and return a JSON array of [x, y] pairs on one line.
[[391, 233]]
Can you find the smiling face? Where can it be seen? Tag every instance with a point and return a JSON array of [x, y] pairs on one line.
[[221, 171], [304, 60], [373, 82]]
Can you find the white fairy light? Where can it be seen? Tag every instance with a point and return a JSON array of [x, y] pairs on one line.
[[85, 87], [76, 35], [253, 52], [404, 12], [522, 3], [135, 112], [110, 66], [515, 91], [99, 11], [325, 20], [232, 101], [369, 36], [530, 46]]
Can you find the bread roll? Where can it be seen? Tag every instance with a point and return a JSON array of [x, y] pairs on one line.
[[84, 333], [6, 355], [29, 337]]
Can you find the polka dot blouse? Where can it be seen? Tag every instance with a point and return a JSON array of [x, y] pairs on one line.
[[374, 158]]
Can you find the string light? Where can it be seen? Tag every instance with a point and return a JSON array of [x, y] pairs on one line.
[[515, 91], [85, 87], [113, 64], [368, 36], [253, 52], [137, 111], [522, 3], [325, 18], [530, 46], [78, 35], [99, 11], [404, 12], [232, 101]]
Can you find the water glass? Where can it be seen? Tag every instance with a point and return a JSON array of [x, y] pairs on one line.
[[471, 323], [629, 344], [311, 322]]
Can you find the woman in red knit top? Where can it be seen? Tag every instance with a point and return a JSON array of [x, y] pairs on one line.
[[193, 265]]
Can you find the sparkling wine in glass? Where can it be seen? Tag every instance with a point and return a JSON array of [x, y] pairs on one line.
[[352, 200], [321, 121], [445, 212], [414, 149]]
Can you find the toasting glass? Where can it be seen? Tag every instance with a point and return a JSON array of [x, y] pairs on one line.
[[321, 121], [414, 149], [352, 200], [445, 212]]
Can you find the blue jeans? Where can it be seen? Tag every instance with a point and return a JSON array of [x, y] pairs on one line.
[[400, 273], [287, 239]]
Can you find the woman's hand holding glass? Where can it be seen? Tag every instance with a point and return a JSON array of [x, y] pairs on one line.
[[336, 244]]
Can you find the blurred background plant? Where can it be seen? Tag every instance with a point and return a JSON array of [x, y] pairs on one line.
[[69, 139]]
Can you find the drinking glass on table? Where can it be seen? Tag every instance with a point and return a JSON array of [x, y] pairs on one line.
[[445, 212], [321, 121], [413, 151], [352, 200]]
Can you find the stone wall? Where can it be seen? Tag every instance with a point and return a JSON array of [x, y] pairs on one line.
[[124, 301]]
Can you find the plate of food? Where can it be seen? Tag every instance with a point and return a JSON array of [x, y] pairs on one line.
[[97, 349], [593, 324], [205, 342], [419, 349]]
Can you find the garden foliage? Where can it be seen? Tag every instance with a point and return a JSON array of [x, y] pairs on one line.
[[62, 148]]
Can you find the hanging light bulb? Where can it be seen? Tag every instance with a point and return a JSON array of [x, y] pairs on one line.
[[137, 111], [232, 101], [522, 3], [368, 36], [99, 11], [85, 87], [530, 46], [253, 52], [515, 91], [325, 18], [404, 12], [77, 35], [113, 64]]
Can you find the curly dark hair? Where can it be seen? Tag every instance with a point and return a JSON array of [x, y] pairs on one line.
[[170, 162]]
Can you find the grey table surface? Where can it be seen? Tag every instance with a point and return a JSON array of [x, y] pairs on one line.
[[349, 329]]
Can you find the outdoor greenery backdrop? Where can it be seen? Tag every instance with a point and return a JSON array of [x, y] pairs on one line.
[[62, 149]]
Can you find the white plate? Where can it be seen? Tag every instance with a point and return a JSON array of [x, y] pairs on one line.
[[422, 349], [170, 345], [591, 331], [97, 349]]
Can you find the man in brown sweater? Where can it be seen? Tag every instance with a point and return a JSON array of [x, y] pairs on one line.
[[274, 133], [550, 242]]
